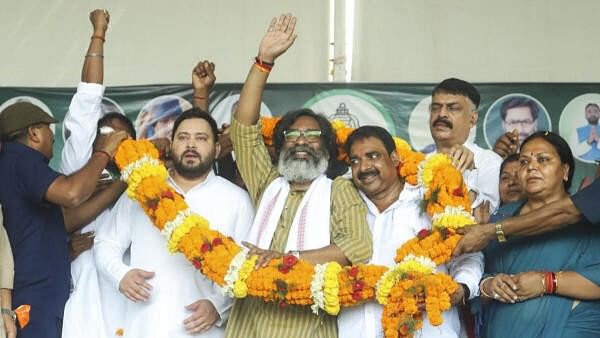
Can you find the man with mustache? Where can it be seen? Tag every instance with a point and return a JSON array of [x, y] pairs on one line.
[[520, 116], [395, 216], [453, 113], [303, 208], [167, 296]]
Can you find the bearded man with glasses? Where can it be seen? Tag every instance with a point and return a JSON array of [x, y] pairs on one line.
[[303, 208]]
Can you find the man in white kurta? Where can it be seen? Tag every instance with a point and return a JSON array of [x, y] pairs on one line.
[[394, 217], [453, 113], [93, 310], [175, 283]]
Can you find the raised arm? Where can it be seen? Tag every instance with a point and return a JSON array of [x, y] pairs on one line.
[[86, 105], [279, 37], [203, 80], [70, 191], [93, 66]]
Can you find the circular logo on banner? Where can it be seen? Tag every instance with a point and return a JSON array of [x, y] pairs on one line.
[[225, 108], [107, 106], [520, 112], [353, 107], [156, 118], [418, 128], [579, 126], [32, 100]]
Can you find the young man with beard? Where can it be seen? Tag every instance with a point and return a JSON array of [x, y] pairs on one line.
[[394, 217], [167, 296], [588, 136], [301, 210], [453, 113]]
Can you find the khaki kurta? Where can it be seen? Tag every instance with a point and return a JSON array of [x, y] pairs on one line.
[[7, 269], [252, 317]]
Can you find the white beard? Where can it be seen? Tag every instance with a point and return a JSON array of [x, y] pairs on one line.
[[304, 170]]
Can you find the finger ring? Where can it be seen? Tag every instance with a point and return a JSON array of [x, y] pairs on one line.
[[496, 296]]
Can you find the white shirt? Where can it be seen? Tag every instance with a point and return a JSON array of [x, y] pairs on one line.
[[87, 309], [391, 228], [176, 282]]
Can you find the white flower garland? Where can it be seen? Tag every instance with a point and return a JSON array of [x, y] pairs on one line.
[[316, 288], [233, 272], [170, 226], [130, 168]]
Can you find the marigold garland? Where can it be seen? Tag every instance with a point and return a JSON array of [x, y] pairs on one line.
[[329, 286]]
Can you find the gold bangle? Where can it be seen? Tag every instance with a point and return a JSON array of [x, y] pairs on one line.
[[543, 285], [92, 55]]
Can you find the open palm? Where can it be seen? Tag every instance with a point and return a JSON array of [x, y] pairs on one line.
[[279, 37]]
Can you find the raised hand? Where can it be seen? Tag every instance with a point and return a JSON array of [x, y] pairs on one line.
[[99, 19], [110, 142], [279, 37], [507, 144], [203, 76]]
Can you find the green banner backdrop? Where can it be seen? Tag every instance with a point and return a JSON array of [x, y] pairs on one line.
[[401, 108]]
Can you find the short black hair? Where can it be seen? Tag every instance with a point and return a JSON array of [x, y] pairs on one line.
[[335, 167], [592, 104], [377, 132], [196, 113], [519, 101], [509, 159], [104, 120], [456, 86], [562, 148]]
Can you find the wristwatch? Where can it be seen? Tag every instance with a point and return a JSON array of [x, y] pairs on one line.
[[500, 233], [9, 312]]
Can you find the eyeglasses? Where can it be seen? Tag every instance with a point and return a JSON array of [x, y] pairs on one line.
[[311, 135]]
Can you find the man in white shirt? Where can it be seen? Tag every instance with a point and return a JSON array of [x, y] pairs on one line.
[[167, 296], [453, 113], [394, 217], [93, 310]]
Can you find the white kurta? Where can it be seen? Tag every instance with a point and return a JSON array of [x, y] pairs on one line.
[[397, 224], [94, 309], [176, 282]]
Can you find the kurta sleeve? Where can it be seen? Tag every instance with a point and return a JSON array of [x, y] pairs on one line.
[[7, 267], [467, 269], [252, 158], [112, 240], [349, 228], [80, 126]]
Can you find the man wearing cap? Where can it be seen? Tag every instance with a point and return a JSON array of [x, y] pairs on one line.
[[453, 113], [162, 115], [41, 207]]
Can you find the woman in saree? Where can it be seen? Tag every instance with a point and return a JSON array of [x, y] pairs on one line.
[[547, 285]]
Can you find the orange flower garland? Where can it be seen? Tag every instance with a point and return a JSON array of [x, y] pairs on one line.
[[291, 281]]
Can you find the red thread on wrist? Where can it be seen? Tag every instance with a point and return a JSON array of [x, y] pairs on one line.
[[98, 37], [198, 97], [103, 152]]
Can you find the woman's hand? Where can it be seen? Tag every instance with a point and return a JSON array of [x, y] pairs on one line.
[[530, 285], [502, 288]]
